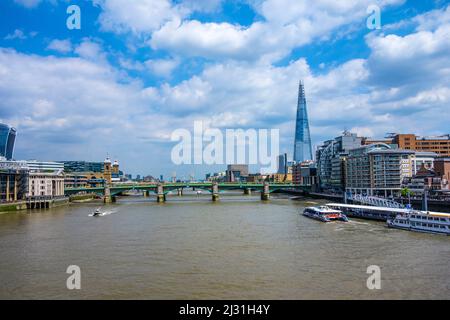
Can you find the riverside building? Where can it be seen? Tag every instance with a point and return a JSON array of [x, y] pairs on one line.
[[13, 180], [331, 160], [435, 144], [378, 169]]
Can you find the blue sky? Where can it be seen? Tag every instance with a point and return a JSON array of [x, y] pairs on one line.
[[137, 70]]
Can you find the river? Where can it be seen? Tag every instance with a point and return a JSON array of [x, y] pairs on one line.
[[192, 248]]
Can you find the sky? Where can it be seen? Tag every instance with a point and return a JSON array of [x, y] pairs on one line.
[[137, 70]]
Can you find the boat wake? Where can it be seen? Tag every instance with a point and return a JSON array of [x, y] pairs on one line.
[[106, 213]]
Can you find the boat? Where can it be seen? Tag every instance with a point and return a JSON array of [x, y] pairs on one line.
[[324, 214], [96, 213], [422, 221]]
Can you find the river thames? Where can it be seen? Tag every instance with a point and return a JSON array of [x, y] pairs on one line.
[[192, 248]]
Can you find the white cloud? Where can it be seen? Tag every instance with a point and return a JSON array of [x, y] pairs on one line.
[[135, 15], [90, 50], [162, 67], [62, 46], [28, 3], [288, 24], [17, 34]]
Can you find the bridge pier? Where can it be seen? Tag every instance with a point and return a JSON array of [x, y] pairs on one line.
[[215, 192], [160, 197], [108, 198], [265, 193], [247, 191], [180, 192], [146, 193]]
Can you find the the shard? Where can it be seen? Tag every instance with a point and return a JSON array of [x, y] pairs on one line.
[[302, 147]]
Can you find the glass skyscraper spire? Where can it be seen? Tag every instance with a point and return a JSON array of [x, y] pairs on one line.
[[302, 147]]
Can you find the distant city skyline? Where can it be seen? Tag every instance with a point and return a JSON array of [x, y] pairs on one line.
[[121, 85]]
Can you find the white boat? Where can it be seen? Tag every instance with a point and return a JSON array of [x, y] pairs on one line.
[[430, 222], [324, 214], [96, 213]]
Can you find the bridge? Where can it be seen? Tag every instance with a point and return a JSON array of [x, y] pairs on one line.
[[110, 192]]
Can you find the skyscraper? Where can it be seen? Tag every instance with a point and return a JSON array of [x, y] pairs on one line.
[[302, 147], [7, 138]]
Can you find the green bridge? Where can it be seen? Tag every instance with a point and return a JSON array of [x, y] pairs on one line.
[[161, 190]]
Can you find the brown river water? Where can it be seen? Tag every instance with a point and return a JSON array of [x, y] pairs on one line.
[[192, 248]]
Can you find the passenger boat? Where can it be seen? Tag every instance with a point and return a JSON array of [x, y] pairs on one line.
[[422, 221], [324, 214]]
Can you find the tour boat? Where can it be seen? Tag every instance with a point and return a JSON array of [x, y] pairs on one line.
[[422, 221], [324, 214]]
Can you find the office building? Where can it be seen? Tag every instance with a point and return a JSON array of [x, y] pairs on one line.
[[302, 144], [442, 167], [378, 169], [305, 174], [282, 164], [436, 144], [331, 158], [7, 139], [46, 184], [237, 173], [13, 180], [82, 166], [45, 166]]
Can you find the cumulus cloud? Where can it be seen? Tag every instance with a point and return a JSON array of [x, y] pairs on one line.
[[62, 46], [135, 15], [162, 67], [273, 38]]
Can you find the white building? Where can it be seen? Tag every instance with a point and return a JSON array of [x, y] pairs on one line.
[[45, 166], [425, 158], [46, 184]]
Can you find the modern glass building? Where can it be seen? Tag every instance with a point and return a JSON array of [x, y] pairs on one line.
[[7, 139], [82, 166], [302, 147]]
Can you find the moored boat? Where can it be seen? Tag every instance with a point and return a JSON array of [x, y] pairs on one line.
[[422, 221], [324, 214]]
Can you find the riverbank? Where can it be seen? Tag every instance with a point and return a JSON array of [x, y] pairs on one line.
[[23, 205]]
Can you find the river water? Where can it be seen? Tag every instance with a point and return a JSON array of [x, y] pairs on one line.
[[192, 248]]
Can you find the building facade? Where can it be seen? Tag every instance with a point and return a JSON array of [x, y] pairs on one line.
[[378, 169], [82, 166], [14, 177], [305, 174], [45, 166], [7, 139], [237, 173], [423, 159], [46, 184], [331, 160]]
